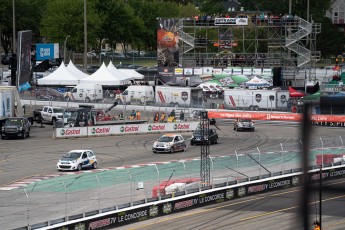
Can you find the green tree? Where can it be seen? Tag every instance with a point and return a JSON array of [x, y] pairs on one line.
[[27, 17], [64, 17]]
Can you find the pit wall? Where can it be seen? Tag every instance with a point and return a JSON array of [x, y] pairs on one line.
[[108, 130]]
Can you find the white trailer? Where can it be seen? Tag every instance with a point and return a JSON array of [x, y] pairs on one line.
[[256, 99], [10, 104], [178, 96]]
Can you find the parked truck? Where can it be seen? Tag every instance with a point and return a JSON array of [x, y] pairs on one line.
[[135, 94], [256, 99], [85, 92], [178, 96], [10, 104]]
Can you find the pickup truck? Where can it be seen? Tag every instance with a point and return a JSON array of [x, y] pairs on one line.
[[16, 127], [51, 114]]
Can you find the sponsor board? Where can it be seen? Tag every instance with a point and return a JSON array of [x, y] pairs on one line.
[[71, 132], [99, 130], [124, 129]]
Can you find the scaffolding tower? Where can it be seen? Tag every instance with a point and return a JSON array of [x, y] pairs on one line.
[[286, 42]]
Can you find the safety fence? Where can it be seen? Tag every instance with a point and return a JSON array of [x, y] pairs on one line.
[[66, 196]]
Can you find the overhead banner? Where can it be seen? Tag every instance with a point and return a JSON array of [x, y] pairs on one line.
[[47, 51]]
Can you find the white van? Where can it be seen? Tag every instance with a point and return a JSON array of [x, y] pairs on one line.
[[137, 93], [85, 92]]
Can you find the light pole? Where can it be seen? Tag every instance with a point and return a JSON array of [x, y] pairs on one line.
[[85, 38], [64, 48]]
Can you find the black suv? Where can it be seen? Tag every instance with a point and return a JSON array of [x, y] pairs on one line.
[[210, 135], [16, 127]]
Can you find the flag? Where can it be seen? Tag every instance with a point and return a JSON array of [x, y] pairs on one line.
[[24, 86]]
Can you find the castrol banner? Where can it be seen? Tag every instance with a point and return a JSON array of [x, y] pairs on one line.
[[71, 132], [109, 130], [152, 128], [100, 130], [183, 126], [273, 116], [127, 129]]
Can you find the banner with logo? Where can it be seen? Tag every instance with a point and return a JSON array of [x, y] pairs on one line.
[[100, 130], [71, 132]]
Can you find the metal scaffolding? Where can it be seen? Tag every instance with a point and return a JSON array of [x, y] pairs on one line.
[[205, 171], [286, 42]]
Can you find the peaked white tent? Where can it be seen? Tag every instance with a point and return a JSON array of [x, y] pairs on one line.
[[102, 76], [260, 82], [124, 78], [61, 76], [75, 71], [132, 73]]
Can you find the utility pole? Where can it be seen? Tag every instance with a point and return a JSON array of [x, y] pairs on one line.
[[85, 38]]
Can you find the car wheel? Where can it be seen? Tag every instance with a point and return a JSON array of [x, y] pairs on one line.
[[94, 165], [2, 137], [215, 141], [79, 167], [172, 150], [23, 135], [53, 121], [154, 151]]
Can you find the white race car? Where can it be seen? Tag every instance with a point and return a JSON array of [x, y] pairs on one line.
[[77, 160]]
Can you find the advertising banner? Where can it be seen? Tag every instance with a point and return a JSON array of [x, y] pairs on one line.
[[276, 116], [127, 129], [151, 128], [100, 130], [71, 132], [47, 51]]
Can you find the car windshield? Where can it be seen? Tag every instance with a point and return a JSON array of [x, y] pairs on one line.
[[13, 122], [58, 110], [73, 155], [199, 131], [165, 139]]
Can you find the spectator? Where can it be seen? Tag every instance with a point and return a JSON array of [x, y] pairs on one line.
[[172, 114], [156, 118], [132, 115], [163, 117], [121, 116], [181, 116], [138, 115]]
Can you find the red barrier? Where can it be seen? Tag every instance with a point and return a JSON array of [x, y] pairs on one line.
[[273, 116]]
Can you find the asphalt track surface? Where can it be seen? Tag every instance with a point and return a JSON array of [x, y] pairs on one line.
[[37, 156]]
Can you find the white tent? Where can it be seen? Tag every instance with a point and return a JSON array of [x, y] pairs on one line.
[[134, 74], [102, 76], [61, 76], [260, 82], [124, 78], [75, 71]]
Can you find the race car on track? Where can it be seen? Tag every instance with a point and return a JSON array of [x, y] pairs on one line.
[[244, 124], [77, 160], [169, 143]]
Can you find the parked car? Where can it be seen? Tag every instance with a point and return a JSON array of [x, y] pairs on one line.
[[244, 124], [77, 160], [92, 69], [123, 65], [169, 143], [16, 127], [210, 136], [134, 66], [116, 55]]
